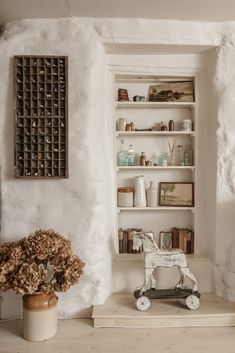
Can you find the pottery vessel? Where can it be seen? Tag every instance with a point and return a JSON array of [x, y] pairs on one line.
[[151, 196], [140, 192], [39, 316]]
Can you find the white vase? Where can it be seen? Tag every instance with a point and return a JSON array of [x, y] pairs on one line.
[[151, 196], [140, 193], [39, 316]]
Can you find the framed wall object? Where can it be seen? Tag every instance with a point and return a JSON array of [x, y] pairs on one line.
[[181, 91], [175, 194], [41, 116]]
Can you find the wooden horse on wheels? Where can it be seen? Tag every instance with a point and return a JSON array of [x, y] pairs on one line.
[[156, 257]]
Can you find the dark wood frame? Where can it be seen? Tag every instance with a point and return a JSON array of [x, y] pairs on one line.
[[41, 116], [175, 205]]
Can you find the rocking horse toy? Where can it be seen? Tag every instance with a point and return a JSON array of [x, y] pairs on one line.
[[156, 257]]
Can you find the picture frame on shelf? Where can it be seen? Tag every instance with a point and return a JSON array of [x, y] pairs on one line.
[[165, 240], [181, 91], [176, 194]]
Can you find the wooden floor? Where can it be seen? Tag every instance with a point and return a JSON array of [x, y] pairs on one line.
[[120, 311], [78, 336]]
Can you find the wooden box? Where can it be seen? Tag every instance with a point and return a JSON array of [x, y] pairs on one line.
[[41, 117]]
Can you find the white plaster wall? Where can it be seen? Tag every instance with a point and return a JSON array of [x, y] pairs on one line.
[[82, 206]]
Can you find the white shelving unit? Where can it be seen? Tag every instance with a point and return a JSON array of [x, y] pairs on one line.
[[145, 115]]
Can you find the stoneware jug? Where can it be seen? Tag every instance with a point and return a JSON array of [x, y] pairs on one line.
[[140, 192], [39, 316], [151, 196]]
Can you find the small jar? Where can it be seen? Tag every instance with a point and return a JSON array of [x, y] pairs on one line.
[[132, 126], [142, 159], [121, 124], [163, 126], [186, 125], [125, 196], [128, 127]]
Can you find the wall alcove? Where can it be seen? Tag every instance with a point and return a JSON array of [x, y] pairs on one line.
[[172, 60]]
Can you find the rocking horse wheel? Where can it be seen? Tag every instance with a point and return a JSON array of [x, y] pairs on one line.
[[143, 303], [192, 302]]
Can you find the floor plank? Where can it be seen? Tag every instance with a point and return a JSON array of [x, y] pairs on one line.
[[78, 336]]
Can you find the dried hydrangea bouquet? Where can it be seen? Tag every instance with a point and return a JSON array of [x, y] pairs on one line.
[[37, 266]]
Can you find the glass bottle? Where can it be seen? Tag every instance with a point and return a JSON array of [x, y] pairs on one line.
[[190, 151], [143, 159], [130, 156], [163, 159], [122, 155], [171, 125], [180, 155], [188, 155], [163, 126]]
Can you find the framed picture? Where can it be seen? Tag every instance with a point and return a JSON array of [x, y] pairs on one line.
[[165, 240], [175, 194], [182, 91]]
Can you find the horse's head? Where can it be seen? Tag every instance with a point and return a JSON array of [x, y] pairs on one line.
[[137, 240], [146, 239]]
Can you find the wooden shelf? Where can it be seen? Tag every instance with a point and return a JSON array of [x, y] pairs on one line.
[[190, 105], [156, 167], [159, 208], [140, 257], [155, 133]]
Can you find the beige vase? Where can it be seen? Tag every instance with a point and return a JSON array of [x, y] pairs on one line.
[[39, 316]]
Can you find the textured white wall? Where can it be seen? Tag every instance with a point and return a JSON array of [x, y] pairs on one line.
[[81, 207]]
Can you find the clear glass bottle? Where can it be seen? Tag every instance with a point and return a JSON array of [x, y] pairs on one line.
[[163, 159], [130, 156], [122, 155], [180, 155], [171, 159], [188, 155]]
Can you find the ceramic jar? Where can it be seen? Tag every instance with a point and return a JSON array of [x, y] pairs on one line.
[[121, 124], [186, 125], [39, 316], [140, 193], [125, 197], [151, 196]]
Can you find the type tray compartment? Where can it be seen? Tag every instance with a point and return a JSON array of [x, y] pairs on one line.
[[41, 116]]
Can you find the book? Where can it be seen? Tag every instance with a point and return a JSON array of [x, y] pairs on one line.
[[183, 238]]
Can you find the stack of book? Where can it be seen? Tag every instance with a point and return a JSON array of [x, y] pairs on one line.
[[125, 238], [183, 238]]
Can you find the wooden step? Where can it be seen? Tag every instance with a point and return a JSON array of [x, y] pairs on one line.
[[120, 311]]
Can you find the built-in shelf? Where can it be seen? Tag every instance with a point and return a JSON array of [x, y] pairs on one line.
[[137, 167], [155, 104], [159, 208], [155, 133], [139, 257]]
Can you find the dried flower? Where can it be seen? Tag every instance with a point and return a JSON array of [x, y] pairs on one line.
[[25, 265]]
